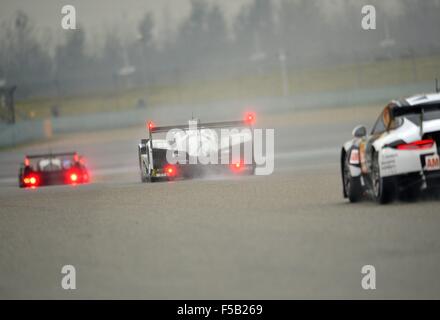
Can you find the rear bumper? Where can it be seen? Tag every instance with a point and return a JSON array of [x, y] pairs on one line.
[[433, 179], [217, 169], [422, 180], [395, 162], [56, 178], [199, 170]]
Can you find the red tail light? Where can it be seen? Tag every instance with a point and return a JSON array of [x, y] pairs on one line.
[[236, 166], [77, 176], [170, 170], [249, 118], [417, 145], [150, 125], [73, 177], [31, 180]]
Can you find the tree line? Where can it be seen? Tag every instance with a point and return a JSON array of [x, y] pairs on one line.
[[205, 47]]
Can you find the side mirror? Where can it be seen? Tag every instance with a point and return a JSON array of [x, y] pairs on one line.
[[359, 131]]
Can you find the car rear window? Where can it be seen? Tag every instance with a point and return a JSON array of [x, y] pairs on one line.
[[428, 116]]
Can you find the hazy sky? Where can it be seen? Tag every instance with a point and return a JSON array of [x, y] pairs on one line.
[[100, 16]]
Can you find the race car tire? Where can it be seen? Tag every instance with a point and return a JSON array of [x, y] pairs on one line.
[[352, 185], [384, 188], [142, 169], [20, 182], [252, 173]]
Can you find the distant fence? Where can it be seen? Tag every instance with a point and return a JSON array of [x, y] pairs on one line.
[[34, 130]]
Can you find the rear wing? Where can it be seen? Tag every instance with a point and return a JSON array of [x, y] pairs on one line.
[[419, 109], [248, 122], [51, 155]]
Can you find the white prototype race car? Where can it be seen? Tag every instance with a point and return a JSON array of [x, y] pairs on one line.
[[400, 157], [195, 140]]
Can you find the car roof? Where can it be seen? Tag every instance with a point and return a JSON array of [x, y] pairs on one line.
[[418, 99]]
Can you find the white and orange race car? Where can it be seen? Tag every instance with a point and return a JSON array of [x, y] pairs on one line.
[[400, 156]]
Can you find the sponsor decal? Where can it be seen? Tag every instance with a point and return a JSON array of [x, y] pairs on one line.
[[432, 163]]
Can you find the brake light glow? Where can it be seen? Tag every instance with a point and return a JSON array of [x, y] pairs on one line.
[[417, 145], [170, 170], [249, 118], [236, 166], [150, 125], [73, 177], [31, 180]]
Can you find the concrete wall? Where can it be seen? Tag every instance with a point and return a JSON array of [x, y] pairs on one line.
[[24, 131], [28, 131], [99, 121]]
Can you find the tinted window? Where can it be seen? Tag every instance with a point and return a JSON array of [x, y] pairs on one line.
[[379, 126]]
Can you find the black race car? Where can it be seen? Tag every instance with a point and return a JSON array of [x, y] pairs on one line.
[[52, 169]]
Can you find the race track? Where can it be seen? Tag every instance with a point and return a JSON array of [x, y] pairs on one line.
[[287, 235]]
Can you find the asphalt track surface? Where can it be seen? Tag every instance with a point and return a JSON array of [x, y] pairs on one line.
[[288, 235]]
